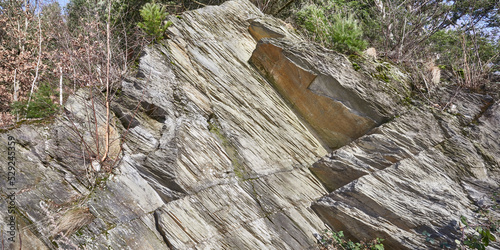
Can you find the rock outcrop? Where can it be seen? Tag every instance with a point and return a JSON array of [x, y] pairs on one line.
[[213, 157], [227, 127], [410, 181], [339, 103]]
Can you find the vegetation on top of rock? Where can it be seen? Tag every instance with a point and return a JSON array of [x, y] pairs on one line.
[[332, 27], [458, 38], [41, 106], [153, 16], [455, 38]]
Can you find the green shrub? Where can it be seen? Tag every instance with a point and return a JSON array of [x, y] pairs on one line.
[[329, 239], [312, 18], [480, 235], [332, 27], [346, 33], [153, 16], [40, 106]]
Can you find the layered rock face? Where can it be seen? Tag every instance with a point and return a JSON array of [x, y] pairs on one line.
[[213, 157], [230, 159], [227, 126], [407, 181], [415, 176]]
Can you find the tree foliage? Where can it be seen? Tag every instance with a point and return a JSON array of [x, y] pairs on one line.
[[153, 16], [27, 52], [462, 36]]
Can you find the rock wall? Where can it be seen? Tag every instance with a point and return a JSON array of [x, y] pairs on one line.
[[227, 126], [213, 157], [409, 181]]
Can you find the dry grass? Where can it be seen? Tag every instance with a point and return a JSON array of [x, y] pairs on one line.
[[72, 220], [64, 220], [6, 120]]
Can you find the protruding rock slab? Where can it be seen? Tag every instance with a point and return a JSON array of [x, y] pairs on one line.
[[259, 28], [385, 145], [329, 94]]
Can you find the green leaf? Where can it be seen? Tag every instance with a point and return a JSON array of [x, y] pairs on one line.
[[463, 220]]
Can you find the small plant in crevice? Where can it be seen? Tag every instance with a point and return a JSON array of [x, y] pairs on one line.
[[356, 66], [476, 236], [64, 220], [356, 61], [473, 235], [335, 240], [480, 235]]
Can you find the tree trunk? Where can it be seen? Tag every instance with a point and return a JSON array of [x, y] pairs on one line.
[[38, 62], [15, 85], [61, 87], [108, 65]]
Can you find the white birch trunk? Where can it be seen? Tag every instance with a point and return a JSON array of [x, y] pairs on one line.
[[38, 62], [15, 85], [60, 87]]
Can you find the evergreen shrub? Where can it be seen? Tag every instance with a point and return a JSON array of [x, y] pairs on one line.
[[153, 16], [332, 27]]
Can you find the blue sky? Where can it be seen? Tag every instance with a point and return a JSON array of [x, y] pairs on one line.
[[62, 2]]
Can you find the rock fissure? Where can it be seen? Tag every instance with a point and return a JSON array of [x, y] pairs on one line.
[[160, 230], [255, 196]]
